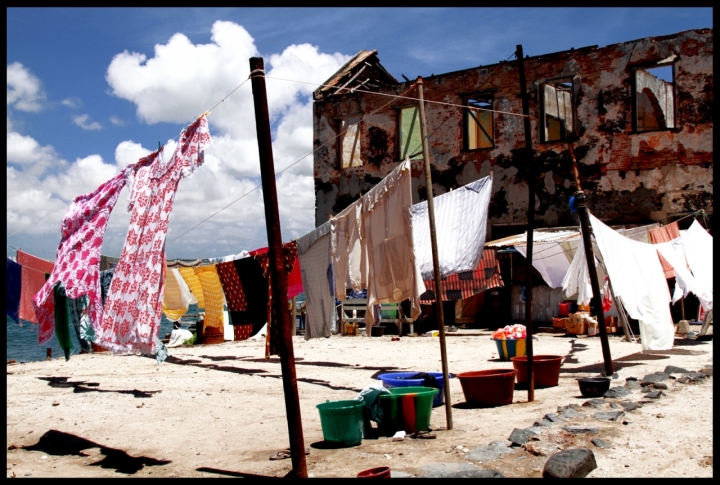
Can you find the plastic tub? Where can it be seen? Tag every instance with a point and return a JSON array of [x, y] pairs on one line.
[[593, 386], [379, 472], [546, 369], [509, 348], [342, 421], [394, 379], [488, 387], [377, 331], [406, 409]]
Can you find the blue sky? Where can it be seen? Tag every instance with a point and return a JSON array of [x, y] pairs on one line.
[[91, 90]]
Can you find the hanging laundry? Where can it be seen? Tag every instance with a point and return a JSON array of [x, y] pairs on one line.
[[639, 282], [459, 286], [460, 226], [577, 278], [13, 281], [349, 256], [550, 260], [294, 283], [699, 252], [32, 281], [607, 301], [194, 284], [255, 289], [674, 252], [106, 277], [315, 260], [131, 319], [177, 296], [392, 275], [184, 263], [79, 317], [274, 333], [77, 264], [232, 287], [62, 327], [663, 234], [213, 296]]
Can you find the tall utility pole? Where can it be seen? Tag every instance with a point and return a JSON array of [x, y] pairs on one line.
[[592, 271], [436, 265], [278, 274], [531, 223]]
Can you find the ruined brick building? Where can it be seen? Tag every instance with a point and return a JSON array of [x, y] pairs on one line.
[[639, 112]]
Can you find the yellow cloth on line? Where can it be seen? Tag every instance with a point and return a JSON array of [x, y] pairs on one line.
[[213, 295], [193, 283], [177, 296]]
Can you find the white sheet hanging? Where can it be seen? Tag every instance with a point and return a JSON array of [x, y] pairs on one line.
[[550, 260], [315, 261], [639, 281], [460, 226], [699, 253], [577, 277], [674, 253]]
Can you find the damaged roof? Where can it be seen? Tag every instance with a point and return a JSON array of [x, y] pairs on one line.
[[363, 70]]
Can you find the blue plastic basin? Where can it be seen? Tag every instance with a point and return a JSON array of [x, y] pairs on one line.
[[393, 379]]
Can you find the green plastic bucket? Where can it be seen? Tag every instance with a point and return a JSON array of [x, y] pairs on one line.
[[404, 413], [342, 421]]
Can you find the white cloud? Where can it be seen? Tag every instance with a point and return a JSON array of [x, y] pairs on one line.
[[24, 90], [116, 121], [83, 121], [72, 102], [222, 197]]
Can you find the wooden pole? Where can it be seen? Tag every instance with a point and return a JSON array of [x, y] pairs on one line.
[[436, 264], [531, 223], [592, 271], [278, 274]]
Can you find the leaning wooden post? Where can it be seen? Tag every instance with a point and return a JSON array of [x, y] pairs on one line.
[[592, 271], [278, 274], [436, 265], [531, 223]]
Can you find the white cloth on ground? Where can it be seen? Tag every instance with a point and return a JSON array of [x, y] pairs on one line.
[[460, 228], [392, 274], [315, 259], [178, 337], [639, 281]]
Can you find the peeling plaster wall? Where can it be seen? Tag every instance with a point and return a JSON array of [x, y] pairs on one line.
[[628, 177]]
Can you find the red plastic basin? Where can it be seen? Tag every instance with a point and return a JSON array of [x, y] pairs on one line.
[[492, 387], [546, 369]]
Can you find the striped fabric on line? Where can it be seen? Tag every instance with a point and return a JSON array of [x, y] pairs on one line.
[[468, 283]]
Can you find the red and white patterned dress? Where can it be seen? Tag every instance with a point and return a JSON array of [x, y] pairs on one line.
[[77, 261], [133, 309]]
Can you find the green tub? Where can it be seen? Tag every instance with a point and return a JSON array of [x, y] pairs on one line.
[[342, 421], [405, 414]]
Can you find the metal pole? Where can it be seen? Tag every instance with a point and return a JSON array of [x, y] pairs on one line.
[[531, 223], [590, 257], [436, 264], [278, 274], [596, 299]]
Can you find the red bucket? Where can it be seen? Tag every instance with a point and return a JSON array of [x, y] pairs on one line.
[[564, 308], [379, 472]]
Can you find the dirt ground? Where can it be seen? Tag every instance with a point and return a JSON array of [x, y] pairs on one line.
[[218, 410]]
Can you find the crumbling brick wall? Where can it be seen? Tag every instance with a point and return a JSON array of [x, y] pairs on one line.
[[628, 176]]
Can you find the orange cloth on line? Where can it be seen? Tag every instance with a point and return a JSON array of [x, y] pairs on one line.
[[664, 234], [193, 282], [32, 280], [177, 295], [213, 296]]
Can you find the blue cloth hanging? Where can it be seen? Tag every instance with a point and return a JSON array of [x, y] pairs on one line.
[[13, 282]]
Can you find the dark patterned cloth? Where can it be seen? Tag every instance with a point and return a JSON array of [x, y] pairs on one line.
[[106, 277], [274, 334], [468, 283], [232, 287], [255, 288]]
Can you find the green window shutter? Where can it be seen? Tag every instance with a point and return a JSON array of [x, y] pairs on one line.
[[410, 139]]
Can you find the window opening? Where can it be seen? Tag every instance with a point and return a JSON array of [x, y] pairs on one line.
[[558, 110], [410, 139], [654, 99], [479, 123], [350, 142]]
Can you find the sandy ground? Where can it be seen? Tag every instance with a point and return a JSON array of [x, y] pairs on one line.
[[218, 410]]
